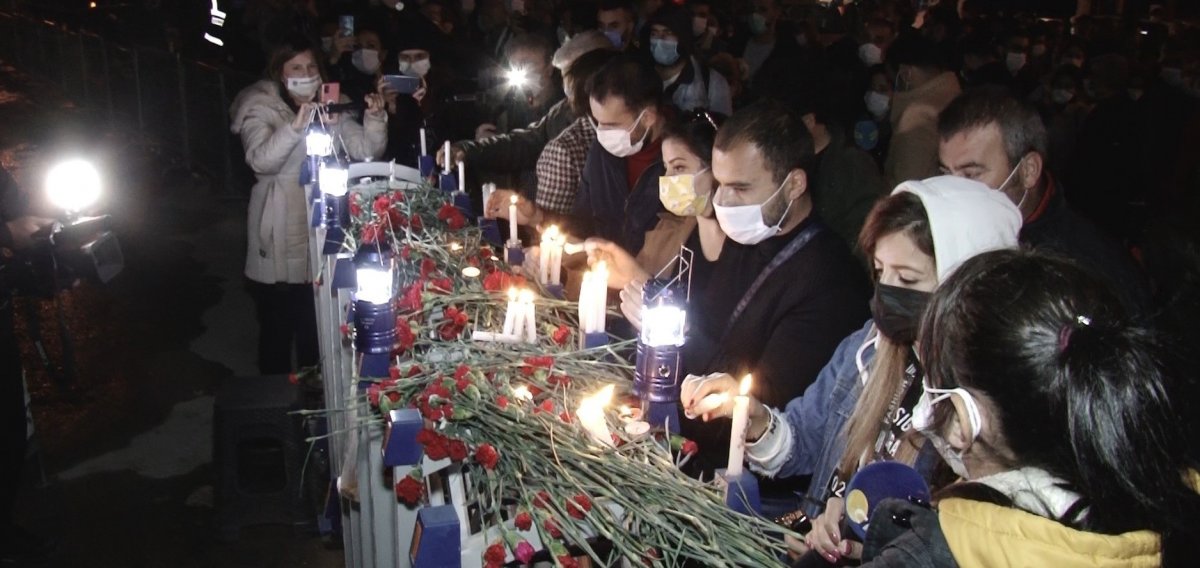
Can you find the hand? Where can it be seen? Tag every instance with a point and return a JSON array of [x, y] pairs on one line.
[[388, 93], [341, 44], [622, 267], [374, 105], [826, 536], [533, 261], [23, 228], [694, 395], [796, 548], [304, 116], [456, 155], [419, 94], [497, 207], [631, 303], [485, 130]]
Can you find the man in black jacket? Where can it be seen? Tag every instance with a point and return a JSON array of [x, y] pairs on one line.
[[988, 136]]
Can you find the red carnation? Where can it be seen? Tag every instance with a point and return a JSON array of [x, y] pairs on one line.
[[406, 252], [552, 528], [416, 223], [436, 445], [559, 380], [344, 329], [373, 395], [541, 500], [294, 378], [442, 285], [565, 417], [404, 335], [355, 208], [494, 556], [410, 301], [397, 219], [524, 521], [458, 450], [561, 334], [578, 506], [398, 196], [382, 204], [394, 371], [502, 402], [428, 266], [372, 233], [461, 371], [415, 370], [546, 406], [485, 253], [487, 456], [689, 447], [409, 490], [567, 561]]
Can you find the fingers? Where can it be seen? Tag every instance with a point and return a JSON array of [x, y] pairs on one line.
[[825, 536], [631, 307], [852, 549], [796, 547], [709, 396]]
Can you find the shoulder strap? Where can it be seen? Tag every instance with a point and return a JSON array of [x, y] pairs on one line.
[[798, 243]]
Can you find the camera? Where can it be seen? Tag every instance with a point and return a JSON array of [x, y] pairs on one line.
[[74, 247]]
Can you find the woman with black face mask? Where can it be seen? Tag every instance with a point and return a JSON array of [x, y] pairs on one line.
[[859, 408]]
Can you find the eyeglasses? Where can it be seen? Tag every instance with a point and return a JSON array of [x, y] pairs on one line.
[[701, 115]]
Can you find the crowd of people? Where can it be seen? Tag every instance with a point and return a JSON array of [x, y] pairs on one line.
[[1026, 286]]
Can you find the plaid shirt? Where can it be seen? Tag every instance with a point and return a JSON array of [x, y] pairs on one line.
[[560, 165]]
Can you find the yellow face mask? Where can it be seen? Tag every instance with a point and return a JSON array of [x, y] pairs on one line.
[[678, 194]]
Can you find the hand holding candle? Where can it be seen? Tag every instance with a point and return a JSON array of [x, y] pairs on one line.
[[512, 219]]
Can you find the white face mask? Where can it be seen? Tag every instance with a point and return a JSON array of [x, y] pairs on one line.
[[617, 142], [923, 422], [303, 87], [1014, 62], [744, 223], [365, 60], [877, 103], [870, 54], [1010, 177], [1062, 96], [417, 68]]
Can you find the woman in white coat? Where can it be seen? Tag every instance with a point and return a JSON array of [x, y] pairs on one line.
[[271, 117]]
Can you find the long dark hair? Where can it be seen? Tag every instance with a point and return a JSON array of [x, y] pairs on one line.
[[697, 131], [1080, 392]]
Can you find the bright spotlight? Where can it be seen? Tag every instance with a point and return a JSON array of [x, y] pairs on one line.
[[73, 185], [517, 78]]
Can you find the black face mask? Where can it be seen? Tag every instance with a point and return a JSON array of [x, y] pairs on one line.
[[897, 312]]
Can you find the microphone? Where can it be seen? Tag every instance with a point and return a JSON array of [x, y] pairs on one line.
[[876, 482]]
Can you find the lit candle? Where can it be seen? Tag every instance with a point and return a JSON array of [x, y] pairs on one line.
[[556, 258], [510, 315], [550, 256], [446, 153], [462, 176], [527, 314], [523, 393], [424, 148], [512, 220], [591, 416], [737, 437], [585, 298]]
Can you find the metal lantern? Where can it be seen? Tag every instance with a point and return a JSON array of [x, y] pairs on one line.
[[374, 312], [656, 379]]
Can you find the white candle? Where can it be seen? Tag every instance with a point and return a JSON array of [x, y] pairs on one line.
[[600, 281], [462, 176], [494, 337], [591, 416], [424, 148], [512, 220], [487, 189], [556, 258], [737, 437], [510, 315], [446, 153], [585, 295], [530, 320]]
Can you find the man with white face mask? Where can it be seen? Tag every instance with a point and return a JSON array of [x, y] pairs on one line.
[[988, 136], [618, 192]]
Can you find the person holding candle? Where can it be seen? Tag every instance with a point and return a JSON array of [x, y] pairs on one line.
[[272, 116], [1069, 424], [860, 406]]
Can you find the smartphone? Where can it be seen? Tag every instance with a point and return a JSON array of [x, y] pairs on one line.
[[331, 93], [402, 84], [346, 25]]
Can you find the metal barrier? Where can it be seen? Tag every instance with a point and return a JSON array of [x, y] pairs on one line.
[[178, 105]]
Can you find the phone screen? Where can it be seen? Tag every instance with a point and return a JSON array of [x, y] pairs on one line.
[[402, 84], [331, 93]]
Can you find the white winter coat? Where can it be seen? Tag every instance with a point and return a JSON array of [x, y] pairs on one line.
[[277, 225]]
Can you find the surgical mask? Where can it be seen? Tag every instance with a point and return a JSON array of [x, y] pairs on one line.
[[744, 223], [417, 68], [1062, 96], [1010, 177], [870, 54], [303, 87], [877, 103], [923, 423], [617, 142], [614, 36], [365, 60], [679, 196], [665, 51], [757, 23], [1014, 62], [897, 312], [699, 24]]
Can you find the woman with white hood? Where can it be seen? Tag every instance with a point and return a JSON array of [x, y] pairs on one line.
[[272, 116], [860, 407]]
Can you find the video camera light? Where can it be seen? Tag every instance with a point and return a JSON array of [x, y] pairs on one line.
[[73, 185], [517, 78]]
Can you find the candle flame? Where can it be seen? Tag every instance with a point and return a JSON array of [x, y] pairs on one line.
[[625, 410], [512, 294], [551, 233], [598, 400], [455, 246], [526, 296], [513, 200], [600, 266], [744, 389], [522, 392]]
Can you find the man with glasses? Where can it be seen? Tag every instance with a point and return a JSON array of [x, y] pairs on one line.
[[988, 136]]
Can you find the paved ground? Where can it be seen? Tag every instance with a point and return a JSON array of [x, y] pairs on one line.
[[126, 447]]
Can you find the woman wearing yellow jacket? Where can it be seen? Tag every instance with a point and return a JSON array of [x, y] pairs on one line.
[[1066, 422]]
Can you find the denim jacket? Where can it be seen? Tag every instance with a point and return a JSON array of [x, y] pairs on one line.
[[816, 420]]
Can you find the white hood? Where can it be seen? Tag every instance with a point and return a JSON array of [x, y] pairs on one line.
[[966, 218]]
